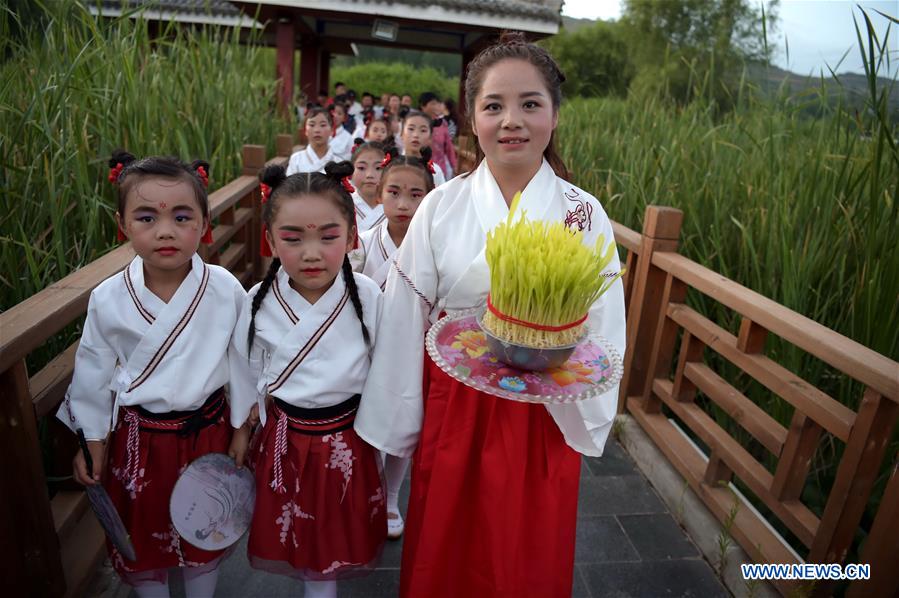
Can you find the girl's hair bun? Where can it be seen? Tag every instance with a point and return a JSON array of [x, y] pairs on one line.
[[122, 157], [339, 170], [392, 151], [426, 154], [273, 175], [513, 37], [196, 164]]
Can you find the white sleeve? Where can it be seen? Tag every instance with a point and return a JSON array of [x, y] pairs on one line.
[[390, 414], [293, 166], [439, 177], [357, 256], [245, 369], [586, 424], [88, 402]]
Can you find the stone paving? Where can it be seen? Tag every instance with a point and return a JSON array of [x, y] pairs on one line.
[[628, 545]]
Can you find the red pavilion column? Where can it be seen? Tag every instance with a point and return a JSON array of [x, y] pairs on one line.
[[284, 40]]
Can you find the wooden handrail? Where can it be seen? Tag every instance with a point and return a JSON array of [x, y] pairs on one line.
[[61, 540], [30, 323], [865, 365]]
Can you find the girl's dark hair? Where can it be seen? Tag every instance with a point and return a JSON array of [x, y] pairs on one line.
[[397, 160], [293, 187], [319, 110], [135, 170], [513, 45], [419, 114], [362, 146]]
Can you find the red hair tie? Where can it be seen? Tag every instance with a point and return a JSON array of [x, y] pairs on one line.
[[207, 239], [347, 185], [431, 167], [114, 173], [265, 250], [385, 161], [201, 172], [355, 147]]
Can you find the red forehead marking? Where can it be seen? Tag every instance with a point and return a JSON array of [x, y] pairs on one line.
[[310, 226], [162, 205]]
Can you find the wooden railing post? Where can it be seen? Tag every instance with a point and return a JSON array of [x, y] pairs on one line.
[[661, 230], [33, 553], [855, 479], [284, 145], [253, 163], [881, 548]]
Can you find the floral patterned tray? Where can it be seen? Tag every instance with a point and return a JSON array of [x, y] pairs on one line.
[[457, 344]]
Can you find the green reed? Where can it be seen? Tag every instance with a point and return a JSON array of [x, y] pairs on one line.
[[75, 88], [801, 210]]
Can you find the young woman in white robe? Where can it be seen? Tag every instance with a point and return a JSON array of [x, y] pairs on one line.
[[304, 336], [367, 157], [493, 504], [153, 359], [416, 138], [318, 151]]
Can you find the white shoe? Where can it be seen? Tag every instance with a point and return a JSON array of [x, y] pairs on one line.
[[395, 525]]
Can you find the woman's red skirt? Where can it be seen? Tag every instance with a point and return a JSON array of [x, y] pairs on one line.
[[147, 452], [493, 505], [320, 511]]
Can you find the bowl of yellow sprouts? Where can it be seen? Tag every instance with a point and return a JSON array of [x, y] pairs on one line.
[[543, 281]]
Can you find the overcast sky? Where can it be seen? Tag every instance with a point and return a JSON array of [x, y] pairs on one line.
[[818, 31]]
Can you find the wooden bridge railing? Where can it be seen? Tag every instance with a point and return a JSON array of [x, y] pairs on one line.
[[52, 547], [55, 545], [665, 336]]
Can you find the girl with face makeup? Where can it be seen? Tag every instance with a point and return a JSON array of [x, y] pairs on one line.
[[304, 337], [157, 335]]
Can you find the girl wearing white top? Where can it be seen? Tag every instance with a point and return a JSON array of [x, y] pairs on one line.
[[493, 503], [305, 336], [341, 142], [377, 130], [404, 183], [153, 360], [317, 152], [416, 135], [366, 161]]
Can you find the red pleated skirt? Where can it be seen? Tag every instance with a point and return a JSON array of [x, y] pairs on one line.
[[320, 514], [141, 489], [493, 504]]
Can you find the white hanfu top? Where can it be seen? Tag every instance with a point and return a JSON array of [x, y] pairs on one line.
[[341, 143], [136, 349], [373, 258], [441, 267], [306, 354], [366, 216], [306, 160]]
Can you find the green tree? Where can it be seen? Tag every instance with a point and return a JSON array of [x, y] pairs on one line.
[[686, 48], [595, 60]]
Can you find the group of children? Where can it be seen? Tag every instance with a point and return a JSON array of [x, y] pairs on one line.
[[317, 377], [335, 126]]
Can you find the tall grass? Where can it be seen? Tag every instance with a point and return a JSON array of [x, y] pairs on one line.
[[74, 88], [802, 211]]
